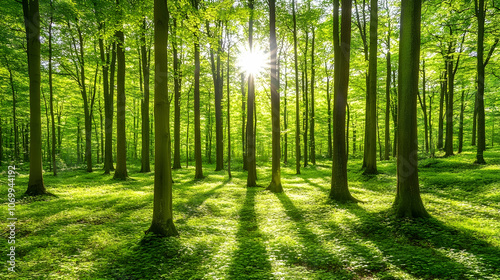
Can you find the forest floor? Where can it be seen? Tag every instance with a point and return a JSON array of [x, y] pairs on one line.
[[94, 228]]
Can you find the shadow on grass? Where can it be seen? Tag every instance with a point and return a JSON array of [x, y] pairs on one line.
[[427, 248], [154, 257], [250, 260], [315, 257]]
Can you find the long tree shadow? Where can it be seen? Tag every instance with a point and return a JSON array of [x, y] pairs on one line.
[[156, 258], [191, 207], [428, 248], [250, 260], [316, 257]]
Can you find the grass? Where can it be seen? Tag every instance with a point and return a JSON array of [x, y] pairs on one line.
[[94, 228]]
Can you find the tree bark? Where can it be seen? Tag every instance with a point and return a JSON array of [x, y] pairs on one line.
[[339, 189], [275, 185], [311, 134], [461, 126], [297, 106], [252, 171], [32, 27], [162, 223], [371, 99], [444, 85], [408, 202], [448, 146], [121, 144], [145, 165]]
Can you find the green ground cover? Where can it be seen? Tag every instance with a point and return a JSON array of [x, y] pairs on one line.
[[94, 228]]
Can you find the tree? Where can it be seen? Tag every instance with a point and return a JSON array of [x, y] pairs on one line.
[[339, 190], [297, 106], [408, 202], [32, 27], [275, 185], [480, 11], [162, 223], [311, 134], [145, 165], [371, 97], [197, 130], [121, 144], [252, 171]]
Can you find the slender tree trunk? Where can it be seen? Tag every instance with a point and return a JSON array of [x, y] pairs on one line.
[[329, 101], [305, 97], [441, 109], [187, 131], [339, 190], [297, 106], [431, 142], [461, 127], [424, 108], [313, 141], [275, 185], [197, 131], [408, 202], [474, 121], [109, 112], [145, 165], [371, 100], [51, 92], [228, 107], [177, 99], [395, 114], [285, 119], [448, 146], [162, 223], [387, 137], [121, 144], [243, 118], [32, 27], [14, 116], [252, 171]]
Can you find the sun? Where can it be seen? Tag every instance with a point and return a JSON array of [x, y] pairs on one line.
[[253, 62]]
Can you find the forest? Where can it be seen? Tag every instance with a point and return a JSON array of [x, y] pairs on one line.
[[278, 139]]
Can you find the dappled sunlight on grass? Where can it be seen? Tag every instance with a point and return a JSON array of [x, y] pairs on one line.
[[94, 228]]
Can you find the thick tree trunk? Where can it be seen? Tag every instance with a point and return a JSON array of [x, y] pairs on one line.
[[275, 185], [408, 202], [371, 99], [339, 190], [252, 171], [121, 144], [162, 223], [32, 27], [297, 105]]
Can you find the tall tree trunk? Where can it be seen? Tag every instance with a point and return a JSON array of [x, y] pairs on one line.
[[14, 116], [431, 142], [297, 106], [305, 97], [313, 141], [109, 112], [162, 223], [285, 119], [371, 99], [481, 65], [395, 113], [145, 165], [329, 101], [339, 190], [275, 185], [448, 146], [387, 137], [177, 98], [444, 85], [51, 97], [197, 132], [32, 27], [474, 121], [252, 171], [243, 118], [228, 106], [461, 126], [408, 202], [121, 144]]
